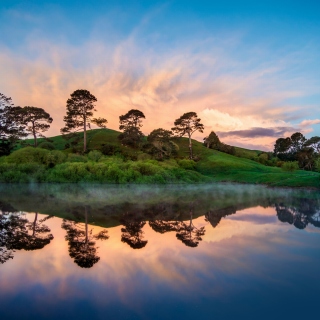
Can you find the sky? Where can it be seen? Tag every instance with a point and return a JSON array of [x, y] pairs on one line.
[[249, 69]]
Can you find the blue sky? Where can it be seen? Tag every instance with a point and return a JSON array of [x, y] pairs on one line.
[[241, 65]]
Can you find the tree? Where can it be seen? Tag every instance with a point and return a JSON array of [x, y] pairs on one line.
[[161, 143], [314, 143], [187, 124], [132, 118], [12, 126], [37, 121], [212, 141], [80, 109], [131, 137], [130, 123], [297, 142]]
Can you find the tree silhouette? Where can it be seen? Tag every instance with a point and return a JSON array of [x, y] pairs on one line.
[[187, 124], [81, 241], [37, 121], [12, 126], [132, 233], [80, 109], [130, 123], [133, 118]]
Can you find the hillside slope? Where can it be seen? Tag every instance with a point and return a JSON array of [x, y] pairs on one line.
[[210, 163]]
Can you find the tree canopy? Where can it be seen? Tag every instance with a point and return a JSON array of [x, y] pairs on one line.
[[187, 124], [161, 144], [37, 121], [130, 123], [80, 109]]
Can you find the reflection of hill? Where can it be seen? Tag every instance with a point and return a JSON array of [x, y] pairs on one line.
[[147, 203]]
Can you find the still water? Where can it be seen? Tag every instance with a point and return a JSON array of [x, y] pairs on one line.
[[144, 252]]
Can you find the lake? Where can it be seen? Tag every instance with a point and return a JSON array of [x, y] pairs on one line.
[[219, 251]]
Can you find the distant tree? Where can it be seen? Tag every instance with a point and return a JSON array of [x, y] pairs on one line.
[[297, 142], [161, 142], [132, 118], [37, 121], [314, 143], [212, 141], [131, 137], [130, 123], [297, 147], [187, 124], [81, 241], [282, 149], [80, 109], [306, 158]]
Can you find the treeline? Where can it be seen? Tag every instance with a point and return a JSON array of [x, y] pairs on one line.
[[297, 149], [18, 122]]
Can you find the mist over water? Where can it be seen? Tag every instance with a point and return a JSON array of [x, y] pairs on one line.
[[160, 252]]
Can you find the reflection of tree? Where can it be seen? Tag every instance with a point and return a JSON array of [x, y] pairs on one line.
[[162, 226], [17, 233], [303, 212], [186, 232], [132, 233], [80, 240], [189, 234]]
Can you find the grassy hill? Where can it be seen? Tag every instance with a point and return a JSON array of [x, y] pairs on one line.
[[211, 165]]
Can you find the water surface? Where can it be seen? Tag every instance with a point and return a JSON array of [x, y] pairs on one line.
[[213, 251]]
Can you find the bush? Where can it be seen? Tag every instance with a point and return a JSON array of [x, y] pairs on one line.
[[76, 158], [187, 164], [46, 145], [94, 155], [55, 157], [290, 166], [28, 155], [110, 149]]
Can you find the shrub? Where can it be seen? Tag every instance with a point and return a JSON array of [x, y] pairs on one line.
[[46, 145], [55, 157], [76, 158], [94, 155], [110, 149], [187, 164], [28, 155], [290, 166]]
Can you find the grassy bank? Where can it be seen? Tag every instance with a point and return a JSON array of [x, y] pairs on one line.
[[121, 164]]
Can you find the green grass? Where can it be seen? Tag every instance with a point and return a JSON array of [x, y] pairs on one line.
[[211, 165]]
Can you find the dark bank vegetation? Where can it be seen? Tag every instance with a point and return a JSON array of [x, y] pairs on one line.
[[164, 156]]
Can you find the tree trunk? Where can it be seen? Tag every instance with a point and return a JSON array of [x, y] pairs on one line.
[[190, 147], [86, 222], [34, 224], [34, 135], [84, 134]]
